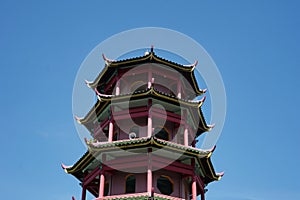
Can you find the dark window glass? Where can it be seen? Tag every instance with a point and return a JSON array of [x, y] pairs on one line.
[[130, 184], [161, 133], [106, 188], [164, 185]]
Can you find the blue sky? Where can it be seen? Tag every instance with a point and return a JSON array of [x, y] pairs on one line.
[[255, 45]]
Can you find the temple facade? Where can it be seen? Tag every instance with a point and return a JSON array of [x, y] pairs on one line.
[[143, 129]]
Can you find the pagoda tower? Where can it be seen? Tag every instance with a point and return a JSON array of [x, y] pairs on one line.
[[143, 130]]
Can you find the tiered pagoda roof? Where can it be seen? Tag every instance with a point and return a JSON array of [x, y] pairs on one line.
[[184, 159], [111, 67], [203, 156], [105, 100]]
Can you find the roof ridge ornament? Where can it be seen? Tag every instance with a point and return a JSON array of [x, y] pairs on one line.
[[78, 119], [211, 126], [213, 148], [99, 95], [107, 60], [198, 101], [65, 166], [211, 151], [193, 65], [220, 174], [88, 83], [146, 53]]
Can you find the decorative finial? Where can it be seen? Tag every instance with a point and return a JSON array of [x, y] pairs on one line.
[[211, 126], [211, 151], [221, 173], [195, 63], [106, 60], [152, 47], [213, 148], [77, 118], [64, 166], [203, 99], [104, 57], [99, 95], [198, 101], [97, 91], [192, 65], [88, 83]]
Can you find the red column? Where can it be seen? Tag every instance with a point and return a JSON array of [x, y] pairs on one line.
[[101, 186], [102, 179], [186, 135], [186, 130], [118, 87], [202, 190], [194, 143], [149, 173], [194, 189], [179, 89], [149, 128], [202, 195], [110, 131], [194, 183], [150, 78], [83, 195]]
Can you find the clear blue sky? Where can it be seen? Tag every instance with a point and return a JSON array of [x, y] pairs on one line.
[[254, 43]]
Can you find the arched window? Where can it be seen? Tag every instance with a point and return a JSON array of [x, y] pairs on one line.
[[130, 184], [161, 133], [165, 185]]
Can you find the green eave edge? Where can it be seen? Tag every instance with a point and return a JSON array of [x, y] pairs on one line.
[[202, 155]]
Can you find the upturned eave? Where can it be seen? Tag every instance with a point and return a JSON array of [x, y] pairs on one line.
[[203, 156], [151, 57], [105, 100]]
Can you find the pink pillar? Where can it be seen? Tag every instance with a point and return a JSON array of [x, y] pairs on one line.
[[149, 128], [101, 186], [186, 135], [186, 130], [118, 87], [149, 131], [194, 183], [83, 195], [149, 78], [179, 89], [194, 189], [110, 131], [149, 173]]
